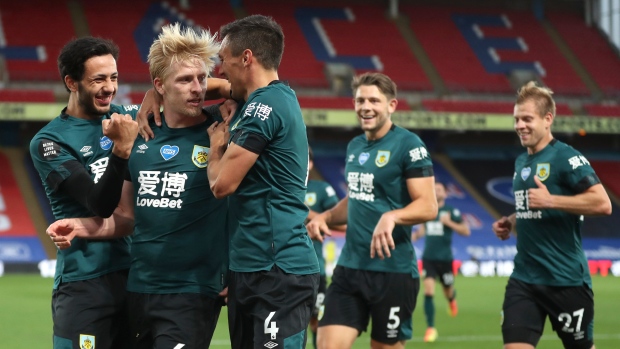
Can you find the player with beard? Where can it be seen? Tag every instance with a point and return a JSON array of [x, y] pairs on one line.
[[81, 157], [179, 246], [390, 188]]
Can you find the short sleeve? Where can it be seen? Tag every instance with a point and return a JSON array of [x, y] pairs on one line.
[[416, 158], [131, 109], [456, 216], [331, 199], [260, 117], [49, 154], [576, 171]]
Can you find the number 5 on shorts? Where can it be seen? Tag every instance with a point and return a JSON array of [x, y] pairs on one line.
[[270, 328], [393, 317]]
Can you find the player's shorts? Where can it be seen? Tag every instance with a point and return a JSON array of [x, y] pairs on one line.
[[270, 309], [570, 311], [356, 295], [439, 270], [320, 297], [176, 320], [92, 313]]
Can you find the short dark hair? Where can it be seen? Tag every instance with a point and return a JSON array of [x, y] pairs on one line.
[[261, 34], [77, 51], [382, 81]]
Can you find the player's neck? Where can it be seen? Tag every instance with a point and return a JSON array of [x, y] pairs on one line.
[[441, 203], [373, 135], [259, 78], [74, 109], [176, 120], [540, 145]]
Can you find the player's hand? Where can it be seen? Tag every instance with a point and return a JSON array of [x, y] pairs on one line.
[[219, 135], [150, 106], [444, 218], [122, 130], [317, 228], [382, 242], [224, 294], [228, 109], [502, 228], [61, 232], [539, 197]]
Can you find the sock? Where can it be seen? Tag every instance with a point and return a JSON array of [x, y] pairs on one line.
[[313, 339], [453, 296], [429, 311]]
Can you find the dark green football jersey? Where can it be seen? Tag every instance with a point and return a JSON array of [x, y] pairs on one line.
[[180, 240], [320, 197], [376, 173], [549, 250], [270, 199], [438, 241], [67, 138]]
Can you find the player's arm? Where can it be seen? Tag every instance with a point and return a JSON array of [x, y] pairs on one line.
[[335, 216], [120, 224], [593, 201], [228, 165], [217, 88], [339, 227], [461, 228], [423, 207]]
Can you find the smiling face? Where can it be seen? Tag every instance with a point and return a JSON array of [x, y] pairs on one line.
[[373, 111], [231, 69], [98, 86], [184, 88], [533, 129]]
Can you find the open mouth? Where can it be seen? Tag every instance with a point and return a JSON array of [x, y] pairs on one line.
[[104, 100], [195, 102]]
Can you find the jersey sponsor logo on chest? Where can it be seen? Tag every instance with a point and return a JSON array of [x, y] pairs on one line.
[[525, 172], [163, 187], [105, 143], [169, 151], [363, 158]]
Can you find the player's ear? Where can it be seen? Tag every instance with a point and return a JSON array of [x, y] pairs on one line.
[[71, 84], [158, 84]]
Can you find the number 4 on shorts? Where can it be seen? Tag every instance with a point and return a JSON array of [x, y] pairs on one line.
[[270, 328]]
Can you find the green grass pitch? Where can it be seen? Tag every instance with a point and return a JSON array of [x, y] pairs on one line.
[[25, 319]]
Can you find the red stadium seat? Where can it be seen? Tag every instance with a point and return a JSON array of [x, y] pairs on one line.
[[42, 96], [602, 110], [592, 49]]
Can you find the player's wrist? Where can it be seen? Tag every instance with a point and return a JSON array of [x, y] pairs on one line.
[[122, 151]]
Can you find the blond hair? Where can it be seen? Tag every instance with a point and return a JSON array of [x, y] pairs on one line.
[[540, 95], [175, 44]]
